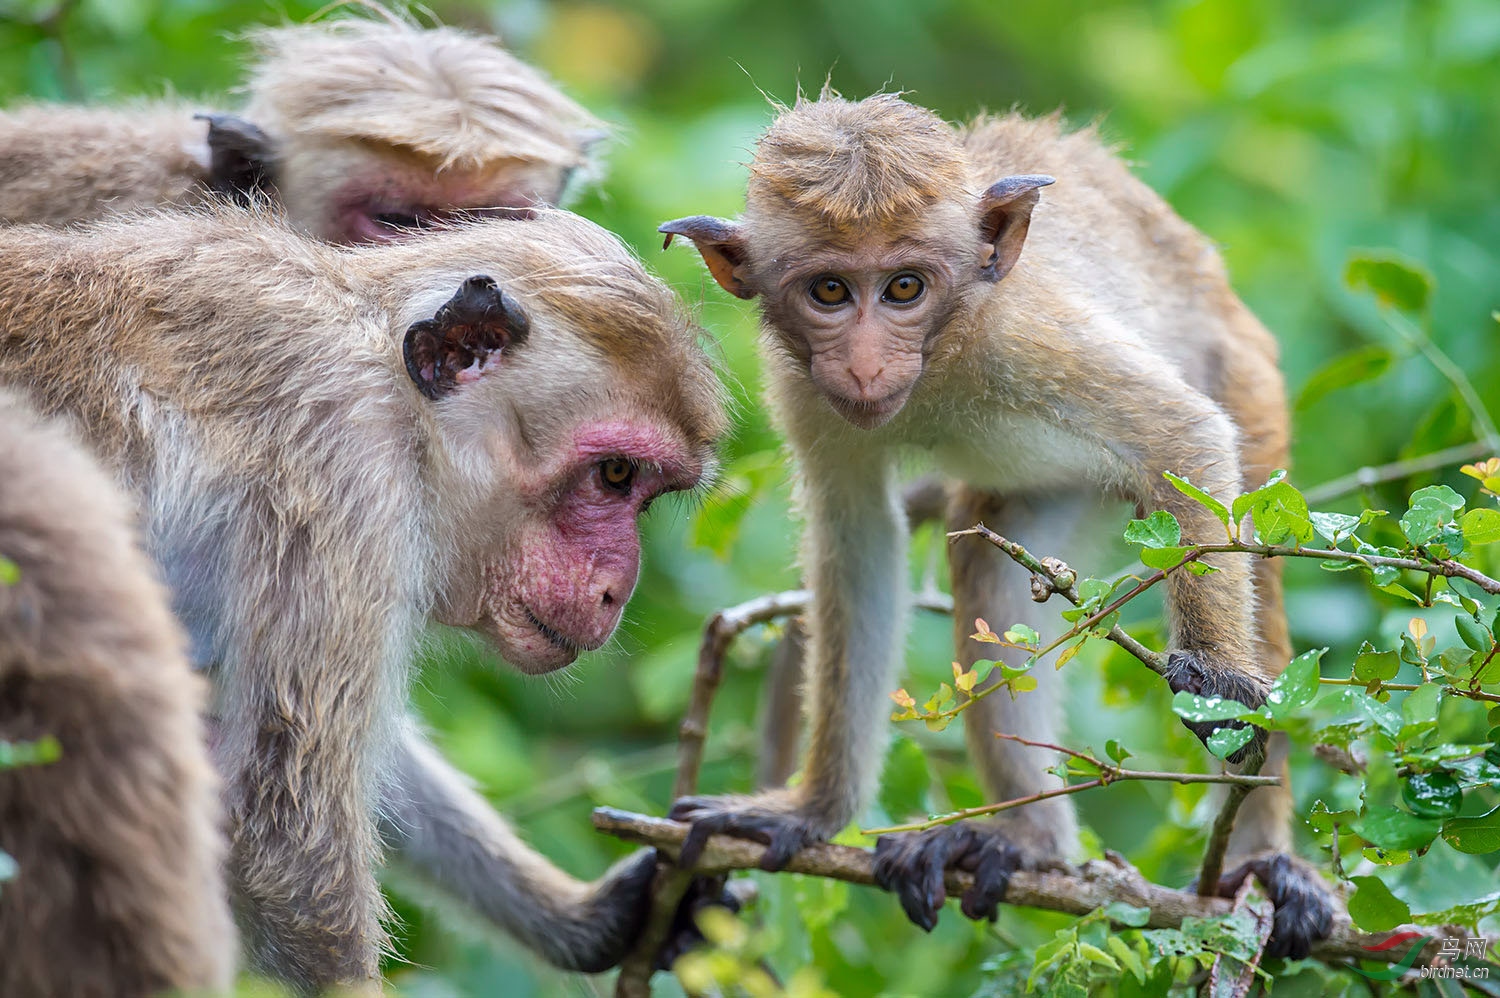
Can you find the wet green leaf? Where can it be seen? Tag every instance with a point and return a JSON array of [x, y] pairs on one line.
[[1433, 795]]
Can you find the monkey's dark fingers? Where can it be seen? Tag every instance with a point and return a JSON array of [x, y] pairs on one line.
[[992, 861], [783, 834], [1302, 902], [911, 864], [1194, 672], [704, 892]]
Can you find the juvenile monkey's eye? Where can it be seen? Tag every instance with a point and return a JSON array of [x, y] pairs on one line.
[[904, 288], [617, 473], [830, 290]]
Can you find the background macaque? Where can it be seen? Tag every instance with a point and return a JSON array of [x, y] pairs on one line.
[[331, 446], [118, 891], [365, 130], [900, 312]]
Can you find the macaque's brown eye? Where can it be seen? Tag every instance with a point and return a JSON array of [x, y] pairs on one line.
[[830, 290], [904, 288], [617, 473]]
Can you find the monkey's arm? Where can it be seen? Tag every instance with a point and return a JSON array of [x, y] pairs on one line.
[[1144, 420], [445, 833], [854, 553]]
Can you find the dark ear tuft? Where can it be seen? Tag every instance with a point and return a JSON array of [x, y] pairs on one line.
[[723, 246], [241, 157], [468, 333], [1004, 216]]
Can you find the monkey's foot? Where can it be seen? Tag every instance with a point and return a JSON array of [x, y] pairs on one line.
[[911, 865], [1198, 672], [763, 818], [1303, 903]]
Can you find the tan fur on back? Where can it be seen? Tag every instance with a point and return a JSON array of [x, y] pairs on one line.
[[457, 98], [874, 160]]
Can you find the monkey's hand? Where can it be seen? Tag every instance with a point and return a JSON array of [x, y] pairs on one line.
[[911, 866], [1208, 676], [1304, 906], [773, 817], [705, 892]]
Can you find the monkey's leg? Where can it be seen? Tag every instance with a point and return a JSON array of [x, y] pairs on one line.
[[458, 847], [855, 558], [989, 585]]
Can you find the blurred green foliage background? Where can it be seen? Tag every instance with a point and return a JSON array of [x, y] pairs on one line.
[[1292, 131]]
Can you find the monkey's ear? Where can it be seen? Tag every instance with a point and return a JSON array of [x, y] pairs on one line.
[[723, 246], [1004, 216], [240, 157], [466, 336]]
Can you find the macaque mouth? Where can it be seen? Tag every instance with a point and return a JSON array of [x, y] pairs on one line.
[[553, 636], [868, 415]]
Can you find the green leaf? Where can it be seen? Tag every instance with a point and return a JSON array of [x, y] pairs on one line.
[[10, 572], [1374, 908], [1475, 836], [1473, 633], [1192, 707], [1370, 664], [1116, 751], [1020, 634], [1278, 511], [1127, 914], [1434, 515], [1433, 795], [1202, 498], [1395, 280], [1162, 558], [1353, 368], [1392, 829], [1295, 687], [1158, 530], [1333, 527], [1421, 704], [1481, 526], [1227, 741]]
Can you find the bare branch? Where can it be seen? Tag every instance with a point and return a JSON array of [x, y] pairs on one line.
[[1096, 884], [1371, 475]]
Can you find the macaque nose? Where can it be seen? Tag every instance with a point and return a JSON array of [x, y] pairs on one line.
[[865, 377]]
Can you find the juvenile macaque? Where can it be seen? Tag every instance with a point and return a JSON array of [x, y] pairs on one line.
[[329, 447], [365, 130], [117, 845], [900, 313]]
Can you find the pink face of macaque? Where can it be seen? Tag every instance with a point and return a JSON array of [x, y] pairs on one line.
[[561, 585], [545, 459], [389, 200]]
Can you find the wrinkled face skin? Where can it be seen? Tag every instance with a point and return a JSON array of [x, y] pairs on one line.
[[863, 321], [558, 582], [366, 194]]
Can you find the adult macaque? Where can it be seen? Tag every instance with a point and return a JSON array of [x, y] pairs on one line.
[[330, 446], [117, 891], [900, 312], [365, 130]]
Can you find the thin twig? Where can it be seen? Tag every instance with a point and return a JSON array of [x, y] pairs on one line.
[[1472, 694], [1445, 567], [1455, 374], [718, 634], [1094, 885], [1065, 585], [1108, 773], [1218, 837], [1372, 475]]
